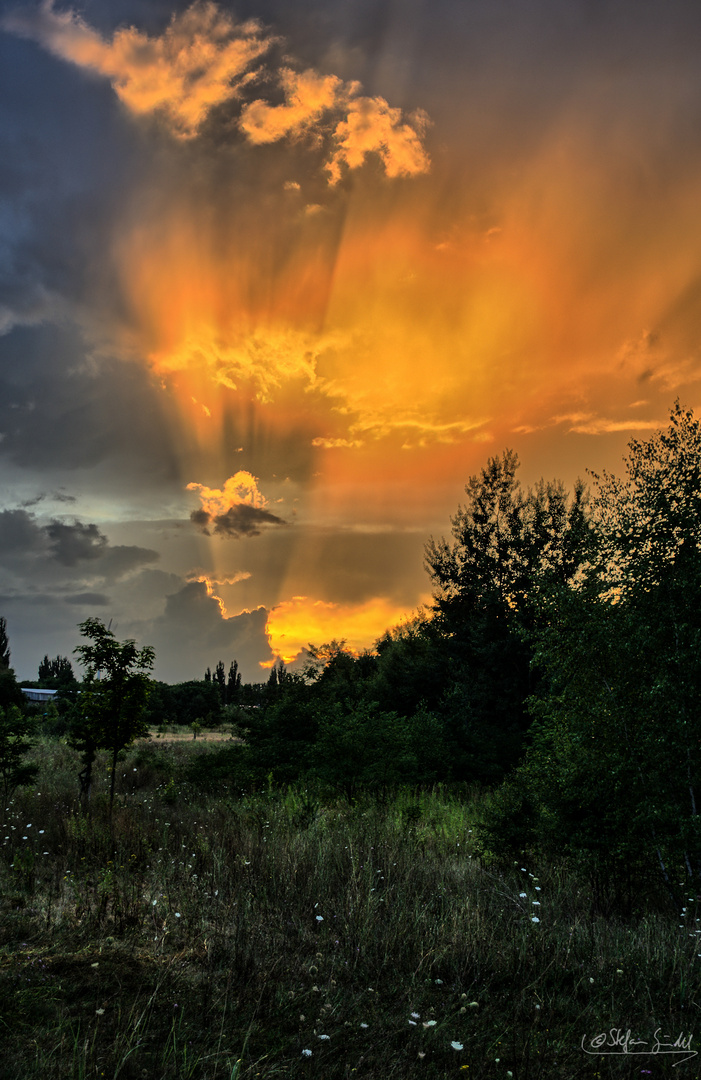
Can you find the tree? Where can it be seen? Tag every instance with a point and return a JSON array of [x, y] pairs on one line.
[[509, 549], [14, 744], [219, 678], [56, 674], [4, 645], [233, 684], [112, 703], [620, 656]]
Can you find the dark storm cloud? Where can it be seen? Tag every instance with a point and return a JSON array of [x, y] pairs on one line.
[[194, 632], [30, 548], [241, 520], [74, 543]]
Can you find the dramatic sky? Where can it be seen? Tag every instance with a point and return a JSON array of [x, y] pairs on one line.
[[277, 277]]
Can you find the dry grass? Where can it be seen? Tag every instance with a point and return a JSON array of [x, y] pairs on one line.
[[221, 935]]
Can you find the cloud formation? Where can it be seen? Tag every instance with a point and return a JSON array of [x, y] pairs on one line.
[[205, 58], [238, 509], [199, 61], [367, 125]]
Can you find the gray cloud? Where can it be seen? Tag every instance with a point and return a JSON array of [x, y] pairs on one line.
[[238, 521]]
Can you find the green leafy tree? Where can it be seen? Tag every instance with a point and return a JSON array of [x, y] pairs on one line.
[[615, 764], [111, 710], [510, 548], [57, 673], [14, 744]]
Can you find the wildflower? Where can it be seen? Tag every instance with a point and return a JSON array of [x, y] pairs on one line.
[[438, 982], [177, 914], [99, 1012], [364, 1025], [324, 1036], [94, 965], [522, 895], [591, 980], [430, 1023], [413, 1023], [535, 919], [456, 1045], [619, 971], [474, 1004], [319, 918], [536, 902], [417, 1016], [421, 1055], [306, 1053]]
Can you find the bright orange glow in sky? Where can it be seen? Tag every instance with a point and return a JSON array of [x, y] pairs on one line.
[[345, 264]]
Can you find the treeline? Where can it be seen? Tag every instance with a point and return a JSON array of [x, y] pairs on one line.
[[558, 669]]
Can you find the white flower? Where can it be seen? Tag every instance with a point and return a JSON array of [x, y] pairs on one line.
[[319, 918], [430, 1023], [535, 919], [306, 1053], [536, 902], [456, 1045], [324, 1036], [538, 888], [177, 914], [522, 895], [417, 1016], [413, 1023], [363, 1025], [99, 1012], [438, 982]]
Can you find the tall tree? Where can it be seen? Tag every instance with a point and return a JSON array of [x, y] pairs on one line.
[[620, 655], [233, 684], [4, 644], [220, 679], [56, 673], [509, 548], [112, 703]]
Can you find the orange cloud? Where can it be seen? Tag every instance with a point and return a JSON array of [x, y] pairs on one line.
[[372, 126], [239, 489], [198, 62], [237, 509], [294, 624], [307, 97]]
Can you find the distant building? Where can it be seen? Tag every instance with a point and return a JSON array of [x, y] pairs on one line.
[[38, 695]]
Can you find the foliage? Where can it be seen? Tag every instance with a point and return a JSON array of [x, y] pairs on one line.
[[14, 746], [615, 760], [56, 674], [4, 645], [510, 549], [111, 708]]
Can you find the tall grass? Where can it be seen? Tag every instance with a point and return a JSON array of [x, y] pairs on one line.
[[228, 934]]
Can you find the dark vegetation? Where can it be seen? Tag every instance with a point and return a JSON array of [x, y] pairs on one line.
[[454, 855]]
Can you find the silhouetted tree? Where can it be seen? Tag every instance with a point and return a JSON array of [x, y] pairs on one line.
[[57, 673], [111, 707], [220, 679], [4, 644], [233, 683]]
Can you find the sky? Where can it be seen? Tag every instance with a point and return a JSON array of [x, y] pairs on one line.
[[277, 278]]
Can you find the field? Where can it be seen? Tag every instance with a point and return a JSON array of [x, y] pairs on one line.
[[214, 933]]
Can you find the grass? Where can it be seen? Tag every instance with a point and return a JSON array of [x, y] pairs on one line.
[[219, 934]]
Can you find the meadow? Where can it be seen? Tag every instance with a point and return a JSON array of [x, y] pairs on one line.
[[215, 932]]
